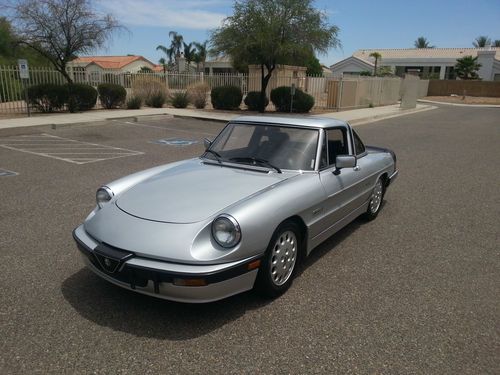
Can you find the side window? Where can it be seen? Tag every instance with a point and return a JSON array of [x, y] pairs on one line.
[[360, 147], [337, 144]]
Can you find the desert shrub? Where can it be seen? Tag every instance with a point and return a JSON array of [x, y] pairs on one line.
[[81, 97], [302, 102], [47, 97], [253, 100], [197, 94], [156, 100], [226, 97], [180, 99], [149, 87], [111, 95], [134, 102]]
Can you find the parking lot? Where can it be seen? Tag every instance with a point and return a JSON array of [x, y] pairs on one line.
[[415, 291]]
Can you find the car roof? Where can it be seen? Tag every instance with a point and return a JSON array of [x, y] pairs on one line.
[[299, 121]]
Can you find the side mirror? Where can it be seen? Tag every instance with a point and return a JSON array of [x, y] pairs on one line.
[[344, 161], [207, 142]]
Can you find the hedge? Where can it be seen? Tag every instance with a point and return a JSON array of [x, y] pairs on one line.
[[226, 97], [47, 97], [111, 95], [81, 97], [281, 98], [253, 100]]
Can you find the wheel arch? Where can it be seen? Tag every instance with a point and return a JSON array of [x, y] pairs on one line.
[[303, 233]]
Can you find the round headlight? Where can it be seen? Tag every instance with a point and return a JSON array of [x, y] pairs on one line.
[[103, 195], [226, 231]]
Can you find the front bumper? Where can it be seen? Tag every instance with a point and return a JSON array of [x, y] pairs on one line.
[[161, 279]]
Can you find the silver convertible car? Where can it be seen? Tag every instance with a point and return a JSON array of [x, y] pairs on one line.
[[266, 191]]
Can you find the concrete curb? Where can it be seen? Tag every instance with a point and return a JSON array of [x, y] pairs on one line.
[[376, 118], [216, 119], [223, 118], [460, 105]]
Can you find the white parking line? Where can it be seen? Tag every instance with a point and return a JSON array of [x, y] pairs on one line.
[[50, 146]]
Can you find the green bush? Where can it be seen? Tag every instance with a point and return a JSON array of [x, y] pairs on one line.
[[180, 99], [81, 97], [281, 98], [111, 95], [47, 97], [134, 102], [156, 100], [253, 100], [226, 97]]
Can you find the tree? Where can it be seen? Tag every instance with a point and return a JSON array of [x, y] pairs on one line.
[[200, 55], [163, 63], [496, 43], [268, 32], [61, 29], [189, 53], [481, 41], [176, 43], [377, 56], [384, 71], [467, 67], [422, 42], [11, 49]]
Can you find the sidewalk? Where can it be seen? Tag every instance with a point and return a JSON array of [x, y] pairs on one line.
[[355, 117]]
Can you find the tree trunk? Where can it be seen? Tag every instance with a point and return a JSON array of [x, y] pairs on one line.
[[65, 74], [263, 86]]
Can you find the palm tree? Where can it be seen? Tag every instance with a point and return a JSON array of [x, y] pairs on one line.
[[176, 41], [376, 56], [481, 41], [201, 54], [467, 67], [496, 43], [422, 42], [189, 53], [163, 63]]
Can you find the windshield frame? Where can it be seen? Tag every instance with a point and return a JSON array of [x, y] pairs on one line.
[[319, 140]]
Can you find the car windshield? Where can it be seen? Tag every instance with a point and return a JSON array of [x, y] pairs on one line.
[[272, 146]]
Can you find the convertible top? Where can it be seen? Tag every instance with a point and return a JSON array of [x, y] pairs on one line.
[[309, 122]]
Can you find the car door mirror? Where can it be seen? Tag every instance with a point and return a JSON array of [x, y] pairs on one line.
[[344, 161], [207, 142]]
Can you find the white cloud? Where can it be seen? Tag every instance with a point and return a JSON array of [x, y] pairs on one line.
[[189, 14]]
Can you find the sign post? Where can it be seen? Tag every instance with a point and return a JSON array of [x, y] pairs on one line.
[[292, 93], [24, 75]]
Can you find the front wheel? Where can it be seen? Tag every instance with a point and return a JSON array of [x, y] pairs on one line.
[[279, 263], [376, 198]]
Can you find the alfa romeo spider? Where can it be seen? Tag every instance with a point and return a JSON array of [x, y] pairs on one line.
[[264, 193]]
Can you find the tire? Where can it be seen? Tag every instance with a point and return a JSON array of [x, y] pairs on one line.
[[280, 261], [376, 199]]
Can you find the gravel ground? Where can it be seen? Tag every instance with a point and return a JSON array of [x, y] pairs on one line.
[[414, 292]]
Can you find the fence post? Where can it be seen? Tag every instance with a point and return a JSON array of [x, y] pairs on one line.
[[339, 93]]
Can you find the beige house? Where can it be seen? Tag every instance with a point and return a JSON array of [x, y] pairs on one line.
[[424, 62], [90, 68]]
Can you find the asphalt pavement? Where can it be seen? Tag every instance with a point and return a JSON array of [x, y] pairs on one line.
[[414, 292]]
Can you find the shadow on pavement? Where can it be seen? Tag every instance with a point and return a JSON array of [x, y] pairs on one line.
[[119, 309]]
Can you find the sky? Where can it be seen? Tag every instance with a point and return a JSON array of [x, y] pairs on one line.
[[363, 24]]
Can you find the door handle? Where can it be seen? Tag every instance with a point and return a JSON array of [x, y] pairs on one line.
[[357, 168]]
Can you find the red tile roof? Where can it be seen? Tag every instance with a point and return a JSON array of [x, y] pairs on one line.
[[110, 62]]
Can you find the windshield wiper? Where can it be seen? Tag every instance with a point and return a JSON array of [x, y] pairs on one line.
[[216, 154], [255, 161]]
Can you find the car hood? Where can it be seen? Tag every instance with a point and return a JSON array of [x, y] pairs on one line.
[[193, 191]]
